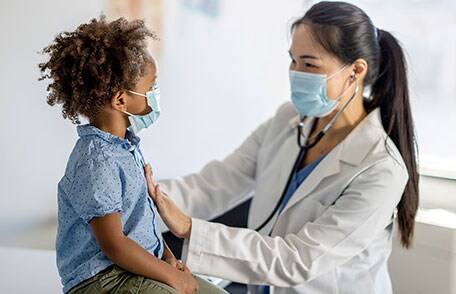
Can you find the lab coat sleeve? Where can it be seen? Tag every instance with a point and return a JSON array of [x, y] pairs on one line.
[[220, 185], [344, 230]]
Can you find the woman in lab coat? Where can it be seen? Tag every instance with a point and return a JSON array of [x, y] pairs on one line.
[[326, 173]]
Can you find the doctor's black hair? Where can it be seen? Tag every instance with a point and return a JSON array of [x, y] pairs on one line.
[[89, 65], [346, 32]]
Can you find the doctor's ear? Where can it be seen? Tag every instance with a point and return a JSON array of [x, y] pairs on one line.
[[359, 69], [118, 101]]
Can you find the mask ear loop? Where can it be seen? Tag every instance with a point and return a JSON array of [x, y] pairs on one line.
[[338, 71], [329, 125], [320, 135], [128, 113], [133, 92], [352, 77]]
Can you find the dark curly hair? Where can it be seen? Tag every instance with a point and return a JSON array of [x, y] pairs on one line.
[[88, 66]]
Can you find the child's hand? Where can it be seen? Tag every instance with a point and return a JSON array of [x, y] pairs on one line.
[[175, 263], [185, 283]]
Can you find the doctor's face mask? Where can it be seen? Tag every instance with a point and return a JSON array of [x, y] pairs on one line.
[[310, 70], [308, 93]]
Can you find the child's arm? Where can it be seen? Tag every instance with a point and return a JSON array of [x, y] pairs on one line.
[[132, 257]]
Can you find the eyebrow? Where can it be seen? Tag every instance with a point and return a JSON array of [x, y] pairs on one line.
[[303, 56]]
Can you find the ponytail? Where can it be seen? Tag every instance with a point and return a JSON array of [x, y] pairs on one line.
[[346, 32], [390, 93]]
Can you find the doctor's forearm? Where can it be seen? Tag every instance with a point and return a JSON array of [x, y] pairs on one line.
[[244, 256], [215, 190]]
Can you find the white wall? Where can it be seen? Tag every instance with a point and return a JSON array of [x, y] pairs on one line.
[[35, 140], [427, 31], [220, 78]]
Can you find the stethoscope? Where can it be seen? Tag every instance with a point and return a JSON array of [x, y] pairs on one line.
[[302, 150]]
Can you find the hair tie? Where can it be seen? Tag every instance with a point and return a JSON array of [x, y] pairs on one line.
[[377, 33]]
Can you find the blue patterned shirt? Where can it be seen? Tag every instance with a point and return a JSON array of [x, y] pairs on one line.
[[104, 175]]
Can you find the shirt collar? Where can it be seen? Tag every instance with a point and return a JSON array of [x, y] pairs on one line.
[[130, 141]]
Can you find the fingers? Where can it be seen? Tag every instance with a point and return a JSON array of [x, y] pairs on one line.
[[163, 194], [151, 187], [183, 267], [174, 263], [149, 173], [196, 286], [147, 170], [151, 170], [157, 197], [180, 267], [159, 191]]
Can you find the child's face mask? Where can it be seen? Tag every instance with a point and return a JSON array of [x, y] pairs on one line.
[[139, 122]]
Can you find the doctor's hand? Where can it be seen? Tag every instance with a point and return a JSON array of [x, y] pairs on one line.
[[178, 223]]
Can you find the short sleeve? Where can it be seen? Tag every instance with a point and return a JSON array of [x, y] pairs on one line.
[[96, 189]]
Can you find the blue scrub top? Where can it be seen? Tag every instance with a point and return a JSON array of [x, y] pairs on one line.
[[297, 179]]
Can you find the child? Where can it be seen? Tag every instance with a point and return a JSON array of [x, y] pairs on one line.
[[108, 238]]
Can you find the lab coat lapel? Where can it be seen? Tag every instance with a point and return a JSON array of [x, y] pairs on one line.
[[352, 150], [330, 165]]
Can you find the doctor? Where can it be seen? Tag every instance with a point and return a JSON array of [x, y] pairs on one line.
[[326, 173]]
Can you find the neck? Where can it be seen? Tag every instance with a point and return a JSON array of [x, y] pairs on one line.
[[116, 127], [344, 124]]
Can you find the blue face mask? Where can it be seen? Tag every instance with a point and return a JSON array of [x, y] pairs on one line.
[[308, 93], [139, 122]]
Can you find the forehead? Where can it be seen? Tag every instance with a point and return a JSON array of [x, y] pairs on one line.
[[151, 71], [303, 43], [152, 68], [153, 63]]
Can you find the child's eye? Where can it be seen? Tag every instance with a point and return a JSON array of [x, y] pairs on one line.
[[309, 65]]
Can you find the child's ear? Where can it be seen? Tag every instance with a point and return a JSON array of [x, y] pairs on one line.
[[118, 101]]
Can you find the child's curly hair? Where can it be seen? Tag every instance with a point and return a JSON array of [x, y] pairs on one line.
[[91, 64]]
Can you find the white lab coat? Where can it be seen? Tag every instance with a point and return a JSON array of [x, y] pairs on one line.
[[333, 236]]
